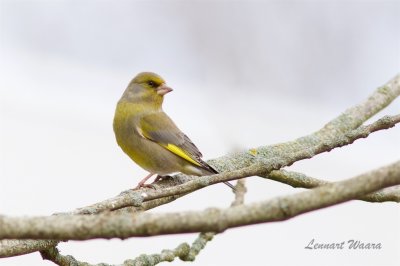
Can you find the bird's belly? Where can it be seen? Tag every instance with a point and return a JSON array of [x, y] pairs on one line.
[[148, 154]]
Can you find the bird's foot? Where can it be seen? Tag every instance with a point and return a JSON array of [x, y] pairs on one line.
[[142, 184], [143, 181]]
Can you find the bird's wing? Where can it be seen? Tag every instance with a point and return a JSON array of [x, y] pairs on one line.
[[158, 127]]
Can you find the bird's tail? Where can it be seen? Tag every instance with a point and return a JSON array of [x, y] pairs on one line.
[[211, 169], [230, 185]]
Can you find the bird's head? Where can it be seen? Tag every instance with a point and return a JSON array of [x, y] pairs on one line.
[[146, 88]]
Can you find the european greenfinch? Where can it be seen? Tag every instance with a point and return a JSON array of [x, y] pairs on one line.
[[149, 137]]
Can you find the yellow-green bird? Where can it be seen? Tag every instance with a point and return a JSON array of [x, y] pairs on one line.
[[149, 137]]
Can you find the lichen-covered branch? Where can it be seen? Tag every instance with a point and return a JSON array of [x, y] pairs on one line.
[[55, 256], [259, 167], [262, 166], [52, 254], [183, 251], [111, 225], [357, 115], [349, 120], [16, 247], [296, 180], [240, 192]]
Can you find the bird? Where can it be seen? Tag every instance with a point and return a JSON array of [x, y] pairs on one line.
[[150, 137]]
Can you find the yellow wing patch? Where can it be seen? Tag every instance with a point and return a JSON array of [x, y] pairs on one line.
[[181, 153]]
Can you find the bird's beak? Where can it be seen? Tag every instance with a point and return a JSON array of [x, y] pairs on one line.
[[163, 89]]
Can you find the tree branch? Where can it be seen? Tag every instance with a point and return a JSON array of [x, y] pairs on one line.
[[111, 225], [183, 251], [263, 167], [52, 254], [296, 180]]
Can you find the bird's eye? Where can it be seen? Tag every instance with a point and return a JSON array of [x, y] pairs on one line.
[[151, 83]]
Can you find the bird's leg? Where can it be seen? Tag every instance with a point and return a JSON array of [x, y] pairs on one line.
[[141, 183]]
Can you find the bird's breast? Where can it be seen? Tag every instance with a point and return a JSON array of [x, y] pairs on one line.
[[146, 153]]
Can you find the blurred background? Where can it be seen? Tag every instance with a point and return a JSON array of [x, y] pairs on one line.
[[244, 73]]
